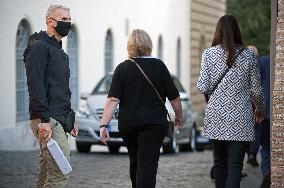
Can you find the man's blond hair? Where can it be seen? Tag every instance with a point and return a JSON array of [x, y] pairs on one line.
[[52, 8], [139, 43]]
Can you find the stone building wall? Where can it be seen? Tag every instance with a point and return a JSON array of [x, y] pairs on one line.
[[204, 16]]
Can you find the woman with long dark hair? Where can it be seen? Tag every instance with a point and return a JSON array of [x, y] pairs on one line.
[[230, 77]]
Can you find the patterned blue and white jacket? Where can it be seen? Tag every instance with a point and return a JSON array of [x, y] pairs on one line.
[[229, 113]]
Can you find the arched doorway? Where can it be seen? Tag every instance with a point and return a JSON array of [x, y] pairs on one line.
[[22, 95], [178, 58], [108, 52], [72, 51], [160, 48]]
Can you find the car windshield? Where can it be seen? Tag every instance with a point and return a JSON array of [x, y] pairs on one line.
[[178, 84], [104, 85]]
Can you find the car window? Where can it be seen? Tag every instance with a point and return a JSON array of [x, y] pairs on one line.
[[103, 86], [178, 84]]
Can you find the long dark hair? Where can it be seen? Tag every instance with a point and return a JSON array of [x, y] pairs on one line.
[[228, 35]]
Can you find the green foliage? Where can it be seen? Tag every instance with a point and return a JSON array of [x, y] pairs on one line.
[[254, 19]]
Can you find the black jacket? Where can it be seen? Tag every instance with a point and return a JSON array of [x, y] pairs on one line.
[[47, 68]]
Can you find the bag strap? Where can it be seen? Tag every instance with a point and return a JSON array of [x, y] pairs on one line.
[[227, 70], [149, 81]]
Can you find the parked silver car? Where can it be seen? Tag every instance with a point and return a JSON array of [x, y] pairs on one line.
[[90, 113]]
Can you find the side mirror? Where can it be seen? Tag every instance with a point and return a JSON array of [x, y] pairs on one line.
[[84, 96], [183, 97]]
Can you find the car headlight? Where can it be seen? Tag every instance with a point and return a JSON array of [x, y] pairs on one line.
[[84, 111], [200, 128]]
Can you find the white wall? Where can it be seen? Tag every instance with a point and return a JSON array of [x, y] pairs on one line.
[[12, 12], [92, 19], [157, 17]]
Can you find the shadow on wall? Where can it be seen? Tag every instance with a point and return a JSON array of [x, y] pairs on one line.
[[21, 138], [17, 138]]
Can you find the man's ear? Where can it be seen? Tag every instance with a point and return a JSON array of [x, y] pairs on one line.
[[48, 20]]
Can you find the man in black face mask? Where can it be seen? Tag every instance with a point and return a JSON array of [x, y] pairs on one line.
[[47, 69]]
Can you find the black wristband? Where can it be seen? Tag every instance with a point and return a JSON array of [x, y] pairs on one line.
[[101, 126]]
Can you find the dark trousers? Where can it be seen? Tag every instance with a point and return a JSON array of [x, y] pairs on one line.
[[254, 146], [265, 146], [143, 144], [228, 162]]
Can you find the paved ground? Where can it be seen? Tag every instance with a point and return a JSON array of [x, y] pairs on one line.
[[103, 170]]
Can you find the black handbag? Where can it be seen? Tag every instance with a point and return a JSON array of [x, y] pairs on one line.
[[67, 121], [207, 96], [170, 129], [170, 123]]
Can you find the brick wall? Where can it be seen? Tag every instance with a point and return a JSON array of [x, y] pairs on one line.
[[277, 135]]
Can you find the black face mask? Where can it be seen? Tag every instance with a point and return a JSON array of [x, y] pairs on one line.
[[62, 28]]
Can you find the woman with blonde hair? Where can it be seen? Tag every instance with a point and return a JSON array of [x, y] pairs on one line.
[[142, 115]]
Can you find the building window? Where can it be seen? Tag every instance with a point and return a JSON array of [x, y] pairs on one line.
[[72, 51], [126, 26], [22, 95], [178, 58], [160, 48], [108, 52]]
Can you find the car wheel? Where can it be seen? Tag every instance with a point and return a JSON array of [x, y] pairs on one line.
[[113, 149], [194, 144], [171, 147], [185, 147], [83, 147], [193, 138]]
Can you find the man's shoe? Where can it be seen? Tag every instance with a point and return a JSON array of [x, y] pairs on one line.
[[252, 161], [244, 174], [266, 181], [212, 173]]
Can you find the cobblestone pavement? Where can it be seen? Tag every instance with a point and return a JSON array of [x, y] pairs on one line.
[[102, 170]]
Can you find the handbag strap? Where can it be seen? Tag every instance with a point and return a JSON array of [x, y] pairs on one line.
[[149, 81], [227, 70]]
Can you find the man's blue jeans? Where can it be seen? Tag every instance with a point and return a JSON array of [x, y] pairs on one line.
[[265, 143], [228, 162]]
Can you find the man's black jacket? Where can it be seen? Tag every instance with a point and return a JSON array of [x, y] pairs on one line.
[[47, 68]]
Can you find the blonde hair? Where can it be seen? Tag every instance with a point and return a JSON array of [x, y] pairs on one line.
[[52, 8], [139, 43]]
